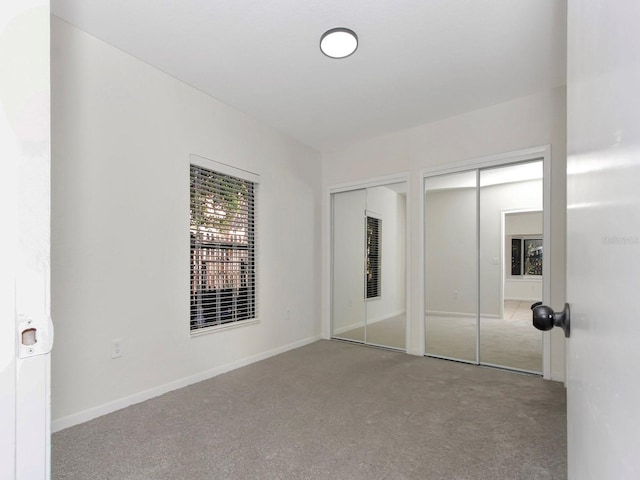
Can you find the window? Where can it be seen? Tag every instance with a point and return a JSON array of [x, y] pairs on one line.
[[526, 256], [223, 260], [374, 226]]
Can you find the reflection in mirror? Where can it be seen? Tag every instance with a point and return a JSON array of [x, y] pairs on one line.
[[511, 255], [348, 302], [369, 265], [386, 255], [451, 299]]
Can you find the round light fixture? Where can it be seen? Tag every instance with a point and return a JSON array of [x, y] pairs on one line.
[[338, 42]]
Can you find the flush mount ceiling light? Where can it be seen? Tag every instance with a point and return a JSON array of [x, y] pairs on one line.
[[338, 42]]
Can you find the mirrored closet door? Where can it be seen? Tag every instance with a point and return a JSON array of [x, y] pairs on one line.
[[511, 255], [368, 270], [451, 292], [483, 265]]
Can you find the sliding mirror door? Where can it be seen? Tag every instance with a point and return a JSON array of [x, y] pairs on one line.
[[451, 294], [386, 265], [369, 265], [483, 265], [348, 304], [511, 273]]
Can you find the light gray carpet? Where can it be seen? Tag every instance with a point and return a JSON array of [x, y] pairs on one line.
[[511, 341], [331, 410]]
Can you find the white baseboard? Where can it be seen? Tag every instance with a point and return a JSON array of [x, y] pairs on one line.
[[348, 327], [369, 322], [385, 317], [523, 299], [437, 313], [100, 410]]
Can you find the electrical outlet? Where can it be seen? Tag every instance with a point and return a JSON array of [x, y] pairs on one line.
[[116, 348]]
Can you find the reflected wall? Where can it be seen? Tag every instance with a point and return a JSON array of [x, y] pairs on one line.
[[508, 197], [451, 298], [369, 265]]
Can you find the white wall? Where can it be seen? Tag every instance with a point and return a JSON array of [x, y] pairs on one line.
[[451, 251], [122, 134], [525, 122], [523, 223]]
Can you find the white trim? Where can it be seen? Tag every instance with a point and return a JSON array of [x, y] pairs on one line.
[[407, 271], [223, 168], [422, 277], [351, 326], [100, 410], [226, 326], [368, 183], [525, 278], [496, 160], [442, 313], [438, 313], [478, 266], [523, 299], [372, 214], [371, 321], [546, 258]]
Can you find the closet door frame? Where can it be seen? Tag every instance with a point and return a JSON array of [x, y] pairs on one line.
[[403, 177], [543, 153]]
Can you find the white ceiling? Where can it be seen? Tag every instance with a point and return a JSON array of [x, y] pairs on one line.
[[417, 60]]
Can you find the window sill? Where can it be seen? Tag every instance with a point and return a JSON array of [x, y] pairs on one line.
[[219, 328], [526, 278]]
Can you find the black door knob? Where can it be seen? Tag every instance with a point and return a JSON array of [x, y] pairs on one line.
[[544, 318]]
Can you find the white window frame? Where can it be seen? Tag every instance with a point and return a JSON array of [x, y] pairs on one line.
[[226, 169]]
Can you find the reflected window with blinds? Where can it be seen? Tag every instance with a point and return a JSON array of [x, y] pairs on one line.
[[374, 226], [526, 256], [223, 258]]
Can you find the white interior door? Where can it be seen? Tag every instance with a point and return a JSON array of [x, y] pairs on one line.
[[603, 239], [25, 328]]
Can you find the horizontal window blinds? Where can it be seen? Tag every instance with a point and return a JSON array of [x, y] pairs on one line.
[[373, 256], [223, 258]]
